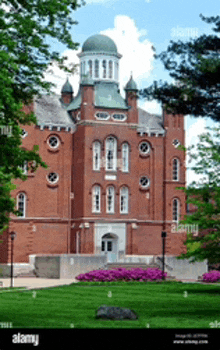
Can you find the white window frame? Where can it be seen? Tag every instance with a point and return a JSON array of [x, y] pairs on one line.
[[125, 157], [124, 197], [99, 115], [90, 67], [175, 169], [57, 139], [96, 156], [111, 154], [145, 152], [23, 202], [110, 69], [110, 200], [175, 210], [96, 199], [96, 68], [119, 120]]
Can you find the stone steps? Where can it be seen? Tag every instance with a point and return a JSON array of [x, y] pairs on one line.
[[26, 274]]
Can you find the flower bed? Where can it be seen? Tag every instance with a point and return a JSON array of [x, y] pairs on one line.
[[211, 276], [122, 274]]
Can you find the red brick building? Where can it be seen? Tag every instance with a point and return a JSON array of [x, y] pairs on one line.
[[113, 169]]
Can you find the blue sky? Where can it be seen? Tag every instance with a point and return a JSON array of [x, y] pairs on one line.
[[136, 25]]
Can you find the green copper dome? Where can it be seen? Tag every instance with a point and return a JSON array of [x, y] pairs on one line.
[[131, 85], [67, 87], [99, 43]]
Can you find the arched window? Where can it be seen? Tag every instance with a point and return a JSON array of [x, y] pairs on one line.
[[96, 199], [110, 69], [104, 69], [176, 169], [96, 155], [21, 204], [116, 70], [90, 68], [124, 200], [176, 210], [110, 200], [125, 157], [111, 153], [96, 68]]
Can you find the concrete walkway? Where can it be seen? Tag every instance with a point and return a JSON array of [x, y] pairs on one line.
[[35, 283]]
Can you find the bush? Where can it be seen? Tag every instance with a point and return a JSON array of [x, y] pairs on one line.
[[211, 276], [122, 274]]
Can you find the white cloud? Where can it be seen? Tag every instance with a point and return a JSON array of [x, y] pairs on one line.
[[152, 107], [58, 76], [137, 53]]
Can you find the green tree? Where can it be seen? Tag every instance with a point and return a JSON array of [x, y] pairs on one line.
[[194, 67], [205, 195], [25, 54]]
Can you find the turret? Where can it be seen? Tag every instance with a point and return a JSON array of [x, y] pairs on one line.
[[131, 99], [67, 92]]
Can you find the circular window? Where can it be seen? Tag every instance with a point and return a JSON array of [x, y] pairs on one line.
[[53, 178], [144, 182], [144, 148], [24, 133], [176, 143], [53, 141]]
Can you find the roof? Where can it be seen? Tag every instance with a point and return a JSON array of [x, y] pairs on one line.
[[67, 87], [150, 123], [131, 85], [99, 43], [50, 112], [107, 95]]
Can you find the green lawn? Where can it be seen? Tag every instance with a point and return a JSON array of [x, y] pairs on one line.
[[158, 305]]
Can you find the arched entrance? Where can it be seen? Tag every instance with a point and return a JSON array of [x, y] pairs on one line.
[[110, 246]]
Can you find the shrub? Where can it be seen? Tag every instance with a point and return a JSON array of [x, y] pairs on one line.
[[122, 274], [211, 276]]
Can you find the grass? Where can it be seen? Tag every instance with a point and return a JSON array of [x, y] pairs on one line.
[[158, 305]]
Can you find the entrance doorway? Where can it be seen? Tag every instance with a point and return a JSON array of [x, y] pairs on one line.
[[110, 246]]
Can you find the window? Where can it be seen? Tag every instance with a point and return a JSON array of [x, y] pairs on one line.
[[24, 167], [96, 200], [110, 200], [116, 70], [96, 68], [125, 157], [104, 69], [53, 178], [176, 143], [144, 148], [102, 116], [176, 210], [53, 141], [96, 155], [24, 133], [119, 117], [110, 69], [175, 169], [21, 204], [144, 182], [111, 153], [90, 68], [124, 200]]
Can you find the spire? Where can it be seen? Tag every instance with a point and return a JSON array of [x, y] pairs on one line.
[[67, 88], [131, 85]]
